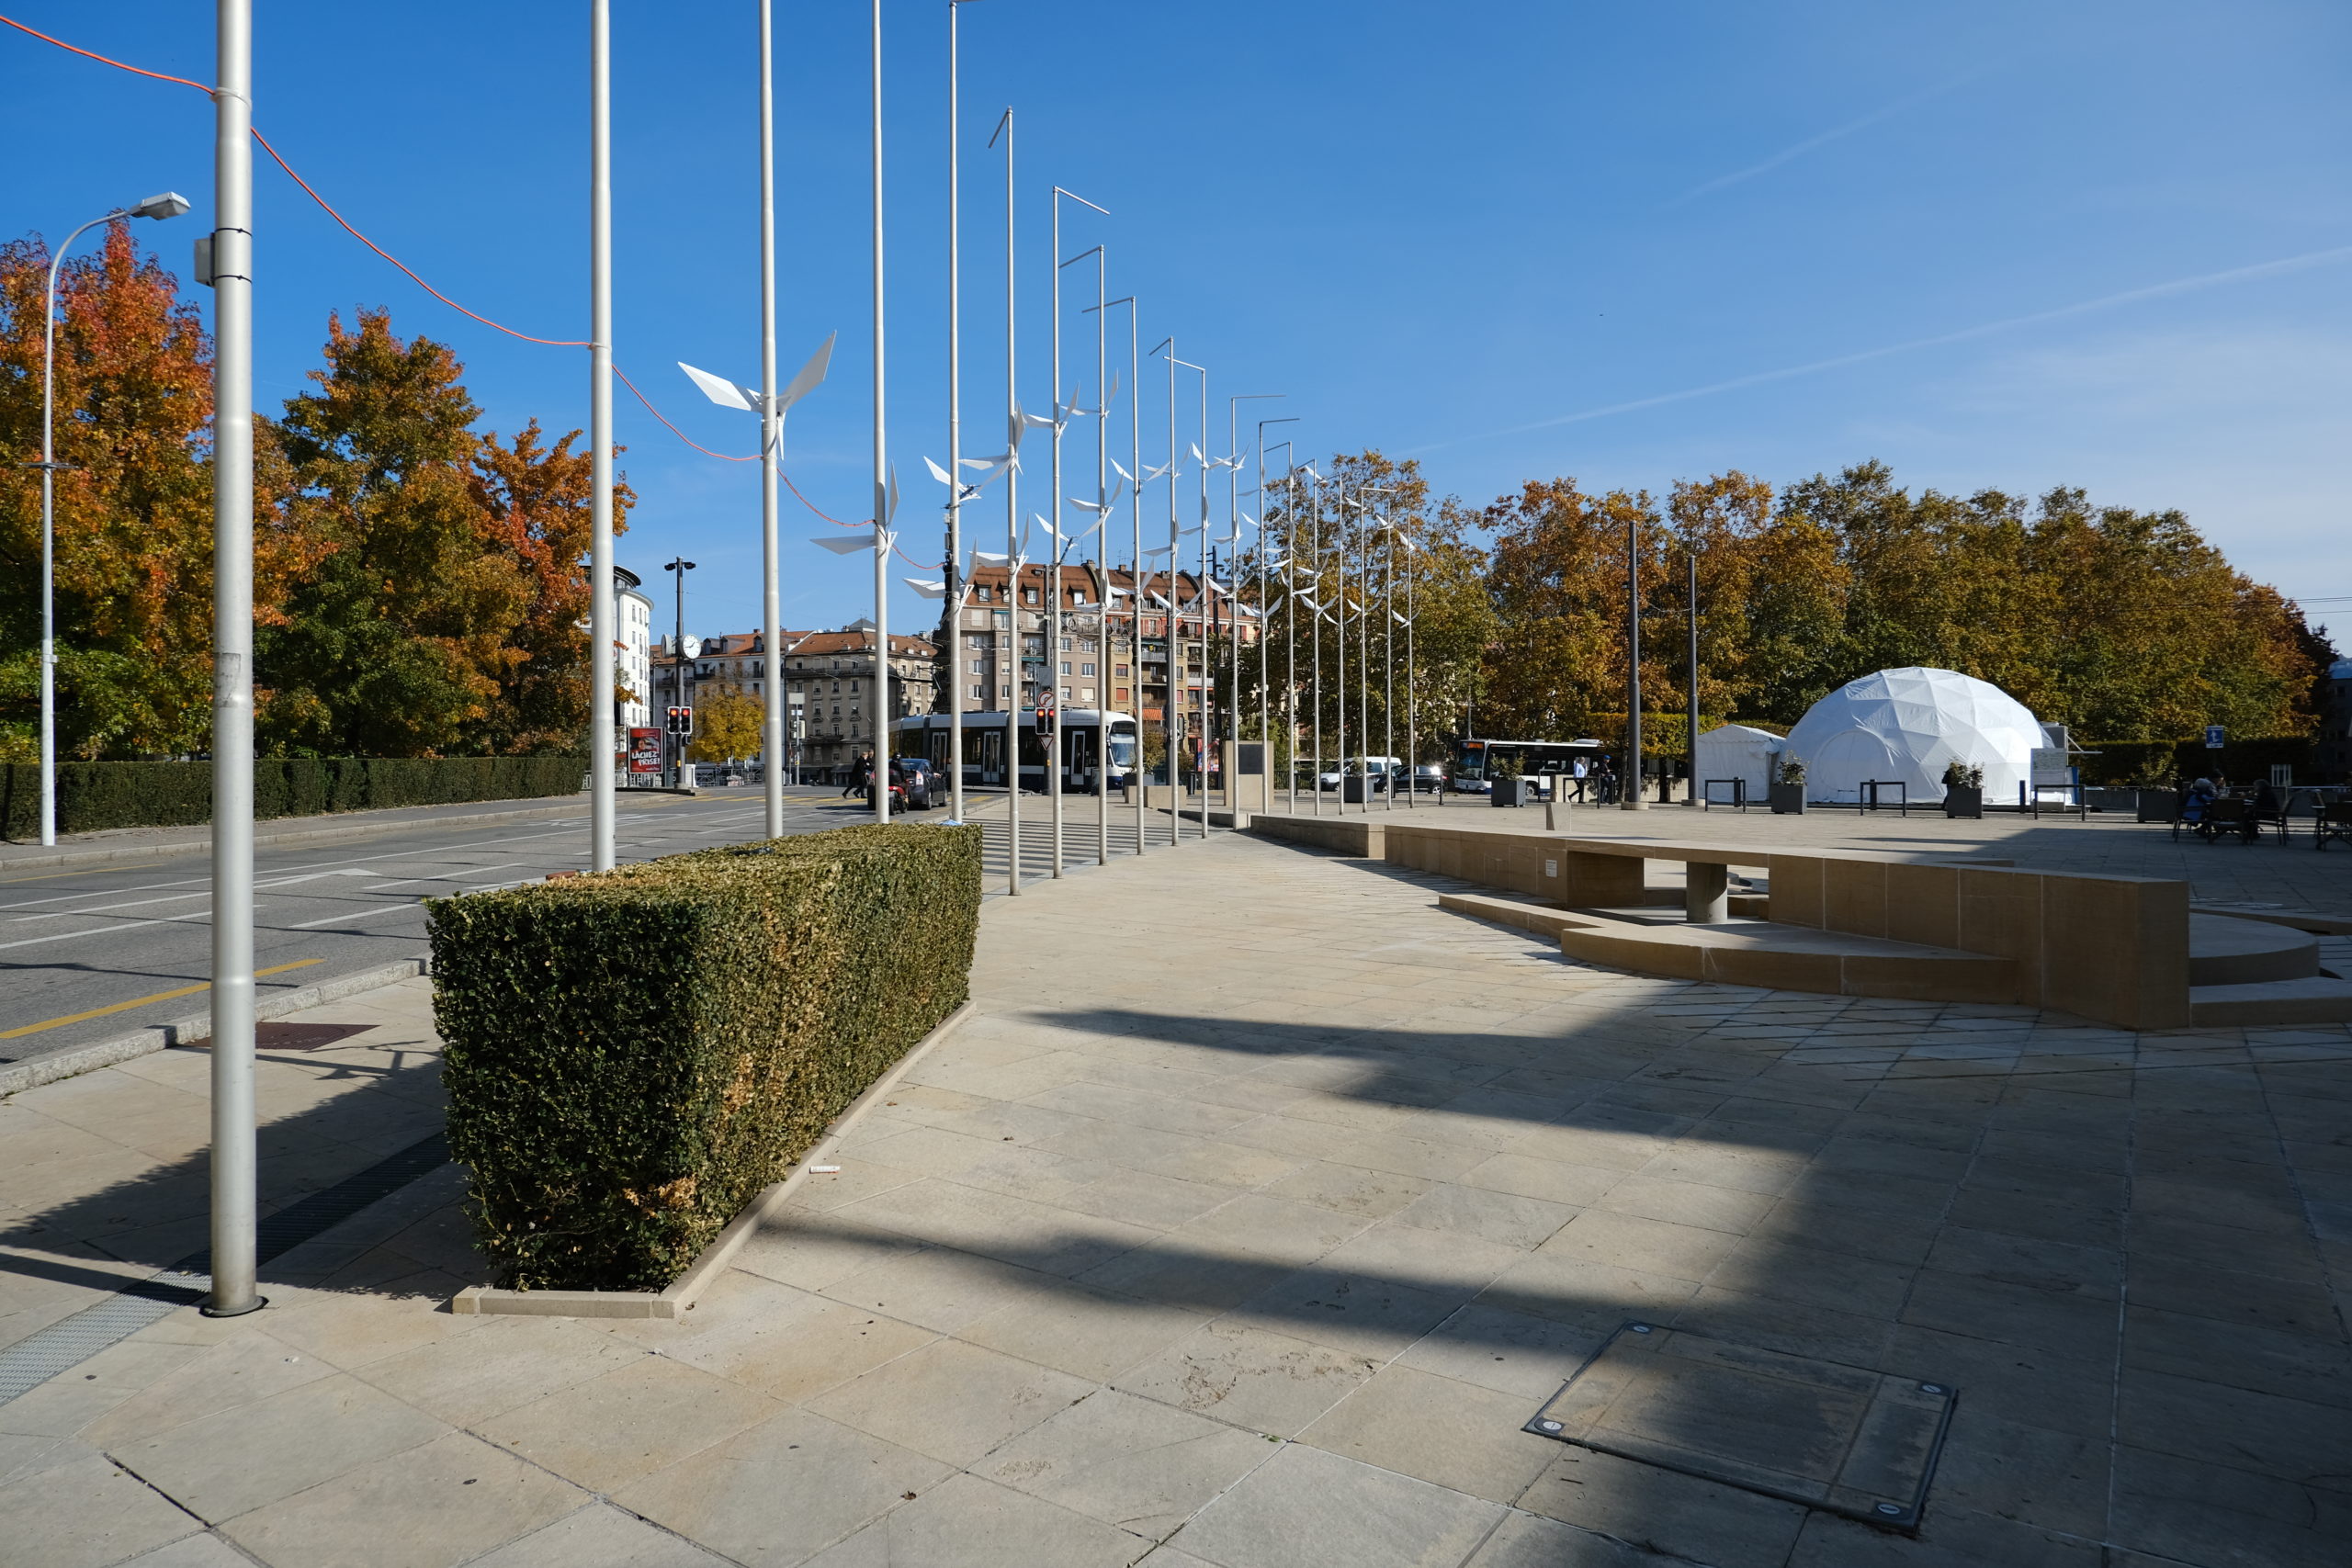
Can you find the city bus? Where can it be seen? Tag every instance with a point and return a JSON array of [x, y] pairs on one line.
[[1082, 747], [1475, 759]]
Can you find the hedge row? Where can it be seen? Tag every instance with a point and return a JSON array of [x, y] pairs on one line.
[[631, 1056], [91, 795]]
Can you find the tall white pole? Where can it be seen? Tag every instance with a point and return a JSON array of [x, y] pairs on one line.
[[881, 478], [1010, 638], [234, 1166], [1173, 717], [1320, 616], [1103, 558], [1051, 732], [600, 439], [1388, 676], [1134, 515], [1339, 676], [955, 572], [770, 439], [1206, 599]]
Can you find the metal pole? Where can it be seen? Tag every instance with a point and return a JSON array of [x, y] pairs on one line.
[[955, 573], [1316, 705], [770, 437], [1692, 787], [233, 1160], [1339, 680], [1052, 732], [881, 478], [1171, 720], [600, 439], [1102, 556], [1388, 676], [1134, 518], [1013, 563], [1203, 599], [1629, 797], [1412, 716]]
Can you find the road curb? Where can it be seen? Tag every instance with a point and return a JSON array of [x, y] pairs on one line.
[[79, 1059]]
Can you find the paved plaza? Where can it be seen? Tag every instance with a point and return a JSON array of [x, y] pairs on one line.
[[1253, 1213]]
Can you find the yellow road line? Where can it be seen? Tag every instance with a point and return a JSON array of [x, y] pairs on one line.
[[55, 875], [142, 1001]]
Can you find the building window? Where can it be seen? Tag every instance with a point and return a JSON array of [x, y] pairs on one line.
[[1065, 645], [1086, 669], [1065, 666], [980, 692], [1066, 697], [1028, 596], [1124, 672], [1123, 695]]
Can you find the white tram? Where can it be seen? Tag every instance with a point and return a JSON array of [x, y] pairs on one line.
[[1083, 746]]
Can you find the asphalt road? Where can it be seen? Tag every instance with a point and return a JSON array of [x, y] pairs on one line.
[[87, 953]]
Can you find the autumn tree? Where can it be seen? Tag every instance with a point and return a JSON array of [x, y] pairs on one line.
[[730, 726], [134, 507]]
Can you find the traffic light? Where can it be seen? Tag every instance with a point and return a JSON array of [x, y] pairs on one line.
[[680, 721]]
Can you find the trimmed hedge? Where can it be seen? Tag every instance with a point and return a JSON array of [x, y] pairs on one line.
[[92, 796], [631, 1056]]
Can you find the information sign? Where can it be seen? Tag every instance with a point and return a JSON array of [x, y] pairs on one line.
[[644, 750], [2212, 738]]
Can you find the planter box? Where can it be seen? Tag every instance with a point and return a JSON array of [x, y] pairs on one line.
[[1510, 791], [1962, 801], [1788, 799]]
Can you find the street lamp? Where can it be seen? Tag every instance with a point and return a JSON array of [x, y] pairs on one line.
[[1233, 537], [1050, 732], [171, 204], [1134, 512]]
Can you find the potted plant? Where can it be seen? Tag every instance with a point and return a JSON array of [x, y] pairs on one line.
[[1963, 789], [1509, 788], [1787, 789]]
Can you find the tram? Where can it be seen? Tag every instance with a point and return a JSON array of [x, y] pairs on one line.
[[1084, 768]]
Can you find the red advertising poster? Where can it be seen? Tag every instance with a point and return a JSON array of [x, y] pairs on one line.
[[644, 751]]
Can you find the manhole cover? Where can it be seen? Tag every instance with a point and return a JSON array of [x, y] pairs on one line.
[[1847, 1439], [296, 1036]]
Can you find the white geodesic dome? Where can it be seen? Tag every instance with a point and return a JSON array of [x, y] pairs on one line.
[[1907, 724]]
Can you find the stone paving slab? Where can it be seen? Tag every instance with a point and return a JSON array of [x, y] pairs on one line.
[[1257, 1208]]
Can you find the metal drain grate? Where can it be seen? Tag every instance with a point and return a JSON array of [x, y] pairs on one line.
[[1847, 1439], [63, 1345]]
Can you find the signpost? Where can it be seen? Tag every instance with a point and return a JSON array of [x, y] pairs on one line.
[[2212, 738]]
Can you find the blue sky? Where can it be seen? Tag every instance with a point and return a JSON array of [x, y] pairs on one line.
[[1991, 243]]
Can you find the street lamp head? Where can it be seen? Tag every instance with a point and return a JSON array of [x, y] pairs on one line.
[[171, 204], [679, 565]]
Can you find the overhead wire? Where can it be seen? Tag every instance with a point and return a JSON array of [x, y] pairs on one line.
[[409, 273]]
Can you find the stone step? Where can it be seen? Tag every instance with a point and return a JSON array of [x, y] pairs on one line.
[[2318, 999], [1792, 958], [2227, 950]]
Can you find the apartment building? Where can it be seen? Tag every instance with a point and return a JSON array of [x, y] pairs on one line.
[[827, 681], [1115, 648]]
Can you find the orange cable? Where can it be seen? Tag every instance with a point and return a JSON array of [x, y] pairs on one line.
[[344, 223], [330, 211]]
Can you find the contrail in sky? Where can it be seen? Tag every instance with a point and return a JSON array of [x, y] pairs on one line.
[[2128, 296], [1802, 147]]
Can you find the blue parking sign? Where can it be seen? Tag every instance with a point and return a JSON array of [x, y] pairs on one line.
[[2212, 738]]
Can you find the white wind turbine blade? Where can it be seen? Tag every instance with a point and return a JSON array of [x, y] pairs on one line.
[[928, 589], [1398, 619], [843, 543], [991, 557], [1121, 470], [890, 497], [810, 375], [719, 389], [1097, 507], [1196, 453], [941, 475]]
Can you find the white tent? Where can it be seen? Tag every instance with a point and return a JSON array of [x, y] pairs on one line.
[[1737, 752], [1905, 725]]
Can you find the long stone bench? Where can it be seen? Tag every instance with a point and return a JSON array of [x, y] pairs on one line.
[[2111, 948]]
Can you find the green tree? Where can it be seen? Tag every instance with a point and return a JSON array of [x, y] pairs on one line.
[[396, 642]]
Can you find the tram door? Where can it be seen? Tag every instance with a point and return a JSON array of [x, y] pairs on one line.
[[1079, 752], [987, 748]]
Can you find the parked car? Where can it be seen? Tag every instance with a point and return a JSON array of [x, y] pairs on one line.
[[1429, 779]]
